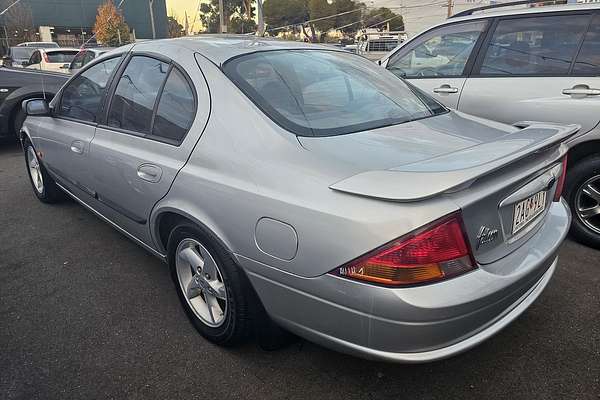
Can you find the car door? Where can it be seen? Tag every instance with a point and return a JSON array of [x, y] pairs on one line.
[[438, 61], [65, 138], [543, 67], [144, 140]]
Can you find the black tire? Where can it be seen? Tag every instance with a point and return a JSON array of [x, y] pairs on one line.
[[236, 326], [50, 193], [577, 176]]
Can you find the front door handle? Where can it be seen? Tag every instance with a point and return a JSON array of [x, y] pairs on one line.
[[581, 90], [445, 89], [77, 146], [149, 172]]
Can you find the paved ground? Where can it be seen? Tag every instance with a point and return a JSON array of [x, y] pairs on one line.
[[85, 313]]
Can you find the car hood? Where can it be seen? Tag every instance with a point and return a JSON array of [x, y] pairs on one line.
[[445, 151]]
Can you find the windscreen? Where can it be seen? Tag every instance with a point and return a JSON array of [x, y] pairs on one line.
[[323, 93], [61, 56], [21, 52]]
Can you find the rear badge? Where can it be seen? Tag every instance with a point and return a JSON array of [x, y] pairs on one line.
[[486, 235]]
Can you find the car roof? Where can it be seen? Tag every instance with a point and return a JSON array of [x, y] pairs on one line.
[[520, 10], [220, 48], [59, 49]]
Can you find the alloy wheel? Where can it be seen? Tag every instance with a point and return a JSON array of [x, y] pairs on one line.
[[201, 282], [587, 203], [35, 170]]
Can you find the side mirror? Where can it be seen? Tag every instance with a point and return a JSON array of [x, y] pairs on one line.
[[36, 107], [65, 66]]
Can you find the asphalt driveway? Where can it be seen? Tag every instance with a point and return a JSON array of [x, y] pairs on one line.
[[86, 313]]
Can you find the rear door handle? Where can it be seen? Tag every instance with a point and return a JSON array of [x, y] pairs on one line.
[[445, 89], [77, 146], [581, 90], [149, 172]]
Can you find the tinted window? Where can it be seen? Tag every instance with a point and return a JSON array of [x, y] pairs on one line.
[[61, 56], [442, 52], [89, 56], [133, 103], [35, 58], [588, 60], [21, 52], [176, 108], [82, 97], [312, 92], [534, 46]]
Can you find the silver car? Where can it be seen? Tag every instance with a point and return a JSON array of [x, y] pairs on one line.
[[521, 64], [305, 186]]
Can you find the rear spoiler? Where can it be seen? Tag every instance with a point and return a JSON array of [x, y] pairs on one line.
[[458, 170]]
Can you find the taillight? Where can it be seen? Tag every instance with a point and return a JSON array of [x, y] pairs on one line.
[[561, 181], [436, 252], [46, 58]]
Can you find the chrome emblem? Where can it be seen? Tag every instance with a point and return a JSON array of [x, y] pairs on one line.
[[486, 235]]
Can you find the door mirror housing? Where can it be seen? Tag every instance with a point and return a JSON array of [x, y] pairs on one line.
[[36, 107]]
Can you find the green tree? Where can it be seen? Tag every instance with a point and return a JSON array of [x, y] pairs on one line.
[[279, 13], [175, 29], [377, 16], [232, 9], [242, 25], [110, 27]]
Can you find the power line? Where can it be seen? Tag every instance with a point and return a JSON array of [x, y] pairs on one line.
[[313, 20]]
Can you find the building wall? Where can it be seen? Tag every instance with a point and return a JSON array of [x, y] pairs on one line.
[[82, 13]]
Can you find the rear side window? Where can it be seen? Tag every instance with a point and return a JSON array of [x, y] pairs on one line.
[[61, 56], [133, 103], [176, 109], [534, 46], [82, 97], [588, 60], [78, 60], [322, 93]]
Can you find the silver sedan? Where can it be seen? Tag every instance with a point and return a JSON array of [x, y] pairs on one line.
[[297, 186]]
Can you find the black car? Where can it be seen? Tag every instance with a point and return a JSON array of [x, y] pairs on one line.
[[17, 56], [18, 84]]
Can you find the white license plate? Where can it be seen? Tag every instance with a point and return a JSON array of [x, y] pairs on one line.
[[527, 210]]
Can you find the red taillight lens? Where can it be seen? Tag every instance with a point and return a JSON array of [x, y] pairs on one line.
[[561, 181], [46, 58], [434, 253]]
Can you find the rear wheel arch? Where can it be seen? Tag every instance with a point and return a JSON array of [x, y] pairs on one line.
[[583, 150], [167, 220]]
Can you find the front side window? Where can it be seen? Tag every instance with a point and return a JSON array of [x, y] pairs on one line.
[[442, 52], [321, 93], [588, 60], [133, 103], [534, 46], [81, 99]]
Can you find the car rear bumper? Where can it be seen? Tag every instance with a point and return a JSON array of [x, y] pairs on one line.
[[416, 324]]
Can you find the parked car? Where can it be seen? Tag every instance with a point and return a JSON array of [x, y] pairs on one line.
[[56, 60], [20, 84], [310, 183], [17, 56], [39, 45], [85, 56], [515, 65]]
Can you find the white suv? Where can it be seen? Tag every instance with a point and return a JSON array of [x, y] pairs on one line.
[[518, 65]]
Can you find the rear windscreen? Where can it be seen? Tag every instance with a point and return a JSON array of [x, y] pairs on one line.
[[323, 93], [61, 56]]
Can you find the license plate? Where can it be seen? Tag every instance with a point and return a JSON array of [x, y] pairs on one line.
[[527, 210]]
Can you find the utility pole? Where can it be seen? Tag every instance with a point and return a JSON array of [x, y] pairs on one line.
[[150, 4], [260, 31], [222, 28], [450, 5]]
